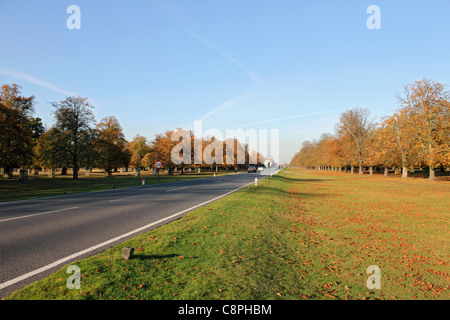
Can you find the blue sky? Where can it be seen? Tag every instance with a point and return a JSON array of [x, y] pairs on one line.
[[161, 64]]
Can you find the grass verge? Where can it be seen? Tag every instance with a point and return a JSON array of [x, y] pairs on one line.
[[304, 235]]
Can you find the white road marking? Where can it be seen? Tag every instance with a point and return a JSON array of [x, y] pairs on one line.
[[75, 255], [176, 189], [38, 214], [115, 200]]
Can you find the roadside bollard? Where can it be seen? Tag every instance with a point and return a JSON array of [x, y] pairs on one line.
[[127, 253], [256, 182]]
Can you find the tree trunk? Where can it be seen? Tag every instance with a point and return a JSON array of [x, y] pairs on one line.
[[360, 167], [371, 170], [386, 170], [432, 175], [352, 170], [405, 172], [75, 162], [75, 171], [23, 175], [9, 172]]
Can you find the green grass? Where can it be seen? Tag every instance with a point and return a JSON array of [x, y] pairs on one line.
[[304, 235], [43, 186]]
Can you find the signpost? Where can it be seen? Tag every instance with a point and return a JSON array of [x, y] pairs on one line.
[[158, 164], [268, 164]]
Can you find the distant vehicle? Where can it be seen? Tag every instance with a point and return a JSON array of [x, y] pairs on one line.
[[252, 169], [260, 168]]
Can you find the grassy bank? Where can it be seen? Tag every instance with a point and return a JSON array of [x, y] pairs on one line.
[[43, 186], [304, 235]]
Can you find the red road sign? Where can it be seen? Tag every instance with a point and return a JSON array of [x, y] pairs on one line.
[[158, 164]]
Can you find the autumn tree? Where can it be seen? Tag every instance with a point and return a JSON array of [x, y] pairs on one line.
[[74, 120], [37, 129], [322, 157], [347, 152], [304, 158], [230, 148], [50, 150], [335, 152], [182, 153], [357, 124], [398, 134], [173, 148], [15, 128], [373, 149], [110, 145], [213, 151], [138, 148], [383, 151], [427, 106], [148, 160]]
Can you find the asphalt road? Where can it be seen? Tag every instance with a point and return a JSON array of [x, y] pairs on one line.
[[38, 237]]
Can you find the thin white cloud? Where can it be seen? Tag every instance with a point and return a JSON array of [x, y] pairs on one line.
[[229, 57], [22, 76], [278, 119], [227, 104]]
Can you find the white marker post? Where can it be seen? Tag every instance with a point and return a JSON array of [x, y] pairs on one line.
[[268, 164]]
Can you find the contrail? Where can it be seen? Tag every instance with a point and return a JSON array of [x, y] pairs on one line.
[[278, 119], [227, 103], [32, 79], [212, 46]]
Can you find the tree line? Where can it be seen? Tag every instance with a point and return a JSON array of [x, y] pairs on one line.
[[415, 137], [77, 141]]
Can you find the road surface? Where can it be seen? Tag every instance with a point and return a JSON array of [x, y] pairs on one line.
[[39, 236]]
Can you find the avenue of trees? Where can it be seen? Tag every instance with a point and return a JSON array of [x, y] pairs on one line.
[[416, 136], [77, 141]]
